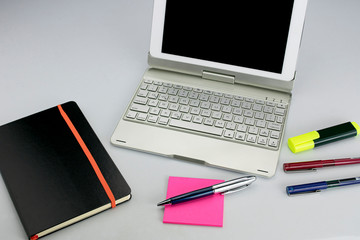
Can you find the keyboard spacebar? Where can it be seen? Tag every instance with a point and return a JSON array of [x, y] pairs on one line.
[[195, 127]]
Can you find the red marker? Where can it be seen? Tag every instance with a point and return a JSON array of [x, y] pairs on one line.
[[312, 165]]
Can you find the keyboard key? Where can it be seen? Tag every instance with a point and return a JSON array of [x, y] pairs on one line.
[[238, 119], [205, 105], [140, 108], [248, 113], [268, 109], [163, 105], [237, 111], [280, 119], [152, 119], [246, 105], [142, 93], [273, 143], [174, 107], [230, 126], [203, 97], [242, 128], [175, 115], [271, 104], [227, 117], [153, 103], [193, 95], [184, 101], [165, 113], [216, 115], [249, 121], [261, 123], [224, 101], [154, 111], [183, 93], [141, 116], [158, 83], [227, 109], [270, 117], [163, 97], [173, 99], [214, 99], [219, 123], [184, 109], [152, 88], [279, 111], [131, 114], [275, 134], [194, 103], [240, 136], [274, 126], [280, 105], [259, 115], [148, 81], [163, 121], [195, 127], [251, 138], [216, 107], [229, 134], [186, 117], [205, 113], [260, 102], [172, 91], [253, 130], [264, 132], [198, 119], [144, 86], [209, 121], [153, 95], [257, 107], [195, 111], [140, 100], [163, 90], [262, 140]]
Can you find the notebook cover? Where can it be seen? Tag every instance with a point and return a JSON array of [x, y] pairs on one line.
[[49, 178], [206, 211]]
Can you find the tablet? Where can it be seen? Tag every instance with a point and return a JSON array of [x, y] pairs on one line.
[[258, 38]]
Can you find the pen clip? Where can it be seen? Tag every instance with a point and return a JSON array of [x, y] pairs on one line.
[[303, 193], [301, 171], [235, 190]]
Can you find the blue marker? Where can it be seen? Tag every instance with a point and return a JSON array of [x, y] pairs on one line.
[[318, 186]]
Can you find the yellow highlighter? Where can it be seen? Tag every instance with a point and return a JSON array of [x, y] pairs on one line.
[[321, 137]]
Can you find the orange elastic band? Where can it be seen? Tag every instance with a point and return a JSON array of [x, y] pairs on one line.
[[35, 237], [89, 156]]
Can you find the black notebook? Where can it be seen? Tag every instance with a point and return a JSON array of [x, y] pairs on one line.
[[56, 170]]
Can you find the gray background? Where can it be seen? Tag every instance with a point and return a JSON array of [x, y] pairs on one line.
[[95, 52]]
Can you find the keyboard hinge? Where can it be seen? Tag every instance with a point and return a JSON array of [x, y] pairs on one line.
[[218, 77]]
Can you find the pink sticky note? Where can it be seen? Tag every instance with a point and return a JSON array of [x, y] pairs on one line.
[[206, 211]]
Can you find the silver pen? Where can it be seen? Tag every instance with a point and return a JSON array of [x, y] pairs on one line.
[[230, 186]]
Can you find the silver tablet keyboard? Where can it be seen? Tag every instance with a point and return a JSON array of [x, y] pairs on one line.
[[234, 118]]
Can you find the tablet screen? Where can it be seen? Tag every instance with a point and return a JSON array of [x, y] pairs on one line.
[[250, 34]]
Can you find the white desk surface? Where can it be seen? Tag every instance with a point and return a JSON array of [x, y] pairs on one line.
[[95, 52]]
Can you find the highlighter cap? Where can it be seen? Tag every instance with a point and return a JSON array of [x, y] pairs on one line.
[[303, 142], [357, 127]]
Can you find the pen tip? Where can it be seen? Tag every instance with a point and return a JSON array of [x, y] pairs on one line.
[[164, 202]]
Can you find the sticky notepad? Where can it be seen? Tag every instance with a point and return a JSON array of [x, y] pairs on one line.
[[206, 211]]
